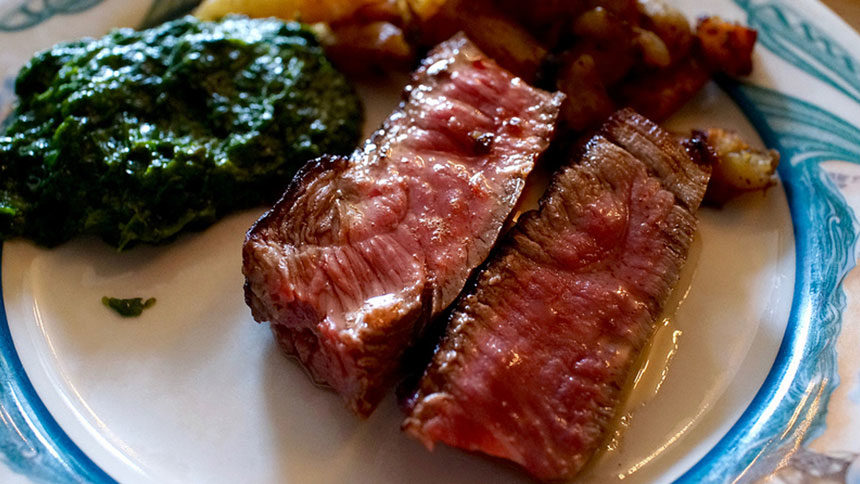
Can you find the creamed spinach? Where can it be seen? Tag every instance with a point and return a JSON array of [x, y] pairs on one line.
[[140, 135]]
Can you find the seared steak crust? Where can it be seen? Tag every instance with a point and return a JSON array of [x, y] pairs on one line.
[[532, 365], [360, 252]]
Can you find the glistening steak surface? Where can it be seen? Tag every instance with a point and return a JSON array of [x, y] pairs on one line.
[[535, 356], [360, 252]]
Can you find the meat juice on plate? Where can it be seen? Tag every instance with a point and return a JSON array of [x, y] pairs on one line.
[[653, 368]]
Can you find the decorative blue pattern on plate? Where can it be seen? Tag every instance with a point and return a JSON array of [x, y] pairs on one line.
[[792, 402], [30, 13], [789, 34], [31, 442]]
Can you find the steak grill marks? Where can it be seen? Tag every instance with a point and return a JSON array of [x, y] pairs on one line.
[[359, 253], [532, 365]]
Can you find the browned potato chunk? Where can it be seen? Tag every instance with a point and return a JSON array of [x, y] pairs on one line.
[[425, 9], [358, 48], [309, 11], [659, 93], [727, 47], [499, 36], [392, 11], [669, 24], [359, 35], [737, 167], [587, 103], [653, 49], [543, 13]]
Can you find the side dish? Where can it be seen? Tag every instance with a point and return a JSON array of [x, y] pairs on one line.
[[140, 135], [535, 357], [362, 251], [738, 167]]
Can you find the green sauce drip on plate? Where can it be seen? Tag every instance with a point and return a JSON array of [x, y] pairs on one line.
[[128, 308]]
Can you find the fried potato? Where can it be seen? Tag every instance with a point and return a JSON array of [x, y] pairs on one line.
[[669, 24], [309, 11], [587, 101], [391, 11], [424, 9], [499, 36], [654, 50], [600, 24], [727, 47], [737, 167], [357, 48], [658, 93], [543, 13], [359, 35]]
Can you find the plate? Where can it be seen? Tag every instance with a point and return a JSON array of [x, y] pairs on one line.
[[739, 374]]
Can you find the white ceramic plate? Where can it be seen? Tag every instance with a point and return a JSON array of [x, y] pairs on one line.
[[195, 391]]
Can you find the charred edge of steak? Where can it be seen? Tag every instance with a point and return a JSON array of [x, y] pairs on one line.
[[663, 154], [272, 217], [698, 148], [297, 186]]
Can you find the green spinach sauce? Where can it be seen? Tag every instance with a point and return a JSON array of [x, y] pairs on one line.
[[139, 135]]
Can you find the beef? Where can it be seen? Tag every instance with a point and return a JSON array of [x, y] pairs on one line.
[[362, 251], [535, 356]]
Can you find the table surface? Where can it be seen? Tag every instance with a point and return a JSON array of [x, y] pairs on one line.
[[847, 9]]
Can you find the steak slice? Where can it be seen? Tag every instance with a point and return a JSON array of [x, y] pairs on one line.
[[535, 356], [360, 252]]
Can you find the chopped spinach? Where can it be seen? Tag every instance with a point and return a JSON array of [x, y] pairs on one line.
[[140, 135]]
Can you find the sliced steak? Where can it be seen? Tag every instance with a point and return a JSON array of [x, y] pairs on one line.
[[360, 252], [535, 356]]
